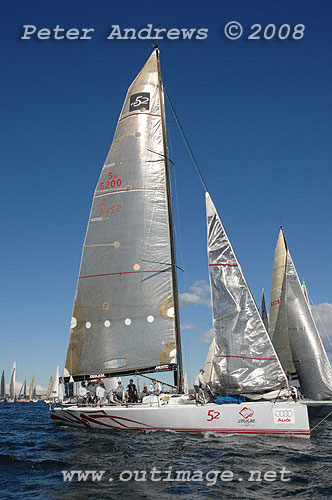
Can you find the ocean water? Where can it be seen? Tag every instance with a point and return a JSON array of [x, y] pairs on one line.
[[35, 454]]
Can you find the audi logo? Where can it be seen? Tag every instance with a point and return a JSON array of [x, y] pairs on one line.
[[283, 413]]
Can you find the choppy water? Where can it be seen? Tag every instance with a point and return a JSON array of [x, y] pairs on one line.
[[34, 452]]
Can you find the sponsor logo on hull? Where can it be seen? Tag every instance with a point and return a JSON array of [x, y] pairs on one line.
[[284, 416]]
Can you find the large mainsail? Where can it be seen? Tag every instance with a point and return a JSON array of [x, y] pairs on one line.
[[12, 382], [3, 385], [310, 359], [277, 316], [244, 361], [124, 311]]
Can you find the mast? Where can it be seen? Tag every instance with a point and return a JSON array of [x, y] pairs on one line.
[[178, 375]]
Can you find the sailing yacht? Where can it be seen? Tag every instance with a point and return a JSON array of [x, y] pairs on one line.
[[3, 387], [295, 335], [12, 395], [126, 314]]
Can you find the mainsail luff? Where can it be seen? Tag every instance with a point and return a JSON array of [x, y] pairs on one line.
[[3, 385], [178, 375], [123, 317], [309, 356], [245, 361]]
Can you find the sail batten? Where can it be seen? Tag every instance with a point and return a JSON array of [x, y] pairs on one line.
[[244, 358], [124, 316]]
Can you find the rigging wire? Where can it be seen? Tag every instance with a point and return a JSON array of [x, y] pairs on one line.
[[200, 175], [190, 151]]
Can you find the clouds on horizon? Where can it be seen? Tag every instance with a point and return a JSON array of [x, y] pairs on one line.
[[199, 294]]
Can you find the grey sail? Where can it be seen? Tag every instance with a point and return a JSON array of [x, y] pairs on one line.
[[123, 317], [278, 330], [310, 359], [3, 385], [31, 388], [264, 312], [23, 390], [244, 361], [12, 383]]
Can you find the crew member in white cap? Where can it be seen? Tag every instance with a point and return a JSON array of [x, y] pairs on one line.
[[199, 383]]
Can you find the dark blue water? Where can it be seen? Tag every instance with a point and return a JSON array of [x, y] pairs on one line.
[[34, 452]]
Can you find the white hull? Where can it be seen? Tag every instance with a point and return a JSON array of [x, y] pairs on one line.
[[278, 419]]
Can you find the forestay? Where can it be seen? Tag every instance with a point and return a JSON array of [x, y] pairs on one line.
[[245, 361], [123, 317]]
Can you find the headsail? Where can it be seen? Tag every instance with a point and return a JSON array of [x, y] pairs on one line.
[[124, 311], [12, 382], [3, 385], [310, 359], [208, 368], [245, 361], [277, 317]]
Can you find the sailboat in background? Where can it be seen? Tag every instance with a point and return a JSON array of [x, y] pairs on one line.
[[295, 335], [56, 392], [264, 315], [22, 397], [12, 395], [49, 390], [3, 387], [126, 315]]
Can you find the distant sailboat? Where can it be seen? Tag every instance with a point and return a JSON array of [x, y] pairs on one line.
[[12, 384], [31, 389], [3, 387], [126, 316], [264, 312], [22, 397], [294, 332]]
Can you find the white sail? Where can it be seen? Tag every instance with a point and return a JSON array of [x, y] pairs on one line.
[[12, 383], [278, 316], [55, 388], [244, 361], [185, 384], [123, 318], [31, 388], [208, 368]]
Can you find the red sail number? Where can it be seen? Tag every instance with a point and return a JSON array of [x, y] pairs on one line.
[[212, 415]]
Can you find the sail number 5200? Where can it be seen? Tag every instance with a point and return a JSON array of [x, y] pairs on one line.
[[213, 415], [111, 183]]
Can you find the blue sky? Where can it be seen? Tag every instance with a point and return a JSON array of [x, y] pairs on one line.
[[258, 114]]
